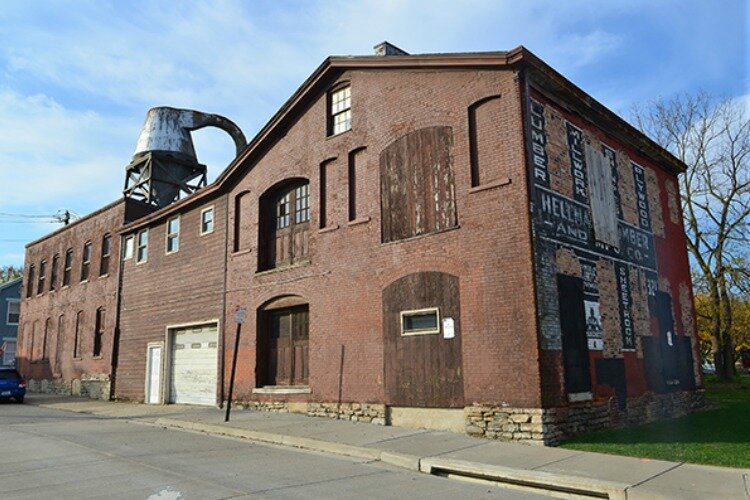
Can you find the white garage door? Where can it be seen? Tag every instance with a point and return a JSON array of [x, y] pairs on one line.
[[194, 360]]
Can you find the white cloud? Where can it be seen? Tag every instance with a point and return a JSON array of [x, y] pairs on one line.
[[51, 155]]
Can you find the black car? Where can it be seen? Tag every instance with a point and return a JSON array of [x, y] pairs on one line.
[[12, 385]]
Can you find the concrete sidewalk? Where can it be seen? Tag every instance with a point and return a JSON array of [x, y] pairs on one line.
[[553, 470]]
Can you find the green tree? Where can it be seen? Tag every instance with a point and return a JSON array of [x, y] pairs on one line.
[[712, 137], [9, 273]]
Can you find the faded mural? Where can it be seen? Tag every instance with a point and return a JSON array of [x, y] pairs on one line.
[[596, 216]]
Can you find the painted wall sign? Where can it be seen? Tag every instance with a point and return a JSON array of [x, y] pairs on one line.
[[637, 246], [611, 157], [562, 219], [577, 163], [591, 305], [625, 300], [538, 142], [593, 325], [641, 197]]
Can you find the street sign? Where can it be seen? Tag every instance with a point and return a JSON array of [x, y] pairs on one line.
[[240, 314]]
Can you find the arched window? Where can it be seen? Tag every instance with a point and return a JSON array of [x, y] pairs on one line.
[[45, 340], [77, 340], [86, 261], [284, 224], [98, 332]]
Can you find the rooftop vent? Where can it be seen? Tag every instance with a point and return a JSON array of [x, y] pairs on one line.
[[388, 49]]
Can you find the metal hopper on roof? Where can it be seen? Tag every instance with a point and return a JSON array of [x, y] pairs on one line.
[[165, 168]]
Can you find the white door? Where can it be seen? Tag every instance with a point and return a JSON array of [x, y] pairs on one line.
[[154, 375], [194, 365]]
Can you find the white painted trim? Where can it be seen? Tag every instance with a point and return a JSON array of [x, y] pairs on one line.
[[414, 312], [146, 380], [213, 221], [10, 301], [167, 234], [138, 245], [125, 239]]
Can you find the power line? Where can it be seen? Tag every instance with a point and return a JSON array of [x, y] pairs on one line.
[[63, 216]]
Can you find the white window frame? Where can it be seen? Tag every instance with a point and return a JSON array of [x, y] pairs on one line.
[[7, 310], [138, 259], [342, 111], [415, 312], [213, 220], [125, 246], [172, 236]]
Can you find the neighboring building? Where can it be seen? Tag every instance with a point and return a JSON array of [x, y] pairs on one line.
[[69, 313], [10, 311], [466, 241]]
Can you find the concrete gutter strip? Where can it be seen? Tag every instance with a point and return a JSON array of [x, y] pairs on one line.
[[523, 477], [402, 460], [439, 466]]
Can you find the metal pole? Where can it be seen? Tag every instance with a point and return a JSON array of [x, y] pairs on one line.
[[234, 367]]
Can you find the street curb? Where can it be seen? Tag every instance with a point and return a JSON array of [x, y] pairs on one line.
[[523, 478], [532, 479]]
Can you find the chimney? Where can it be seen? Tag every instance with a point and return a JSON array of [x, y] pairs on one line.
[[388, 49]]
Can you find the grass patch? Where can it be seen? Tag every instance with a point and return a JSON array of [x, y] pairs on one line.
[[718, 436]]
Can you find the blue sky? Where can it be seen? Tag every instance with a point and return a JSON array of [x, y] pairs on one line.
[[77, 77]]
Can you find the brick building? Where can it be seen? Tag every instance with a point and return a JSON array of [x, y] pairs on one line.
[[465, 241]]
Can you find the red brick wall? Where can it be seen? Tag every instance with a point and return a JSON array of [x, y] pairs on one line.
[[169, 289], [98, 291], [349, 267]]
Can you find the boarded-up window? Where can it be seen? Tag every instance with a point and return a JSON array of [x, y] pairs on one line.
[[422, 341], [602, 195], [417, 191], [486, 140]]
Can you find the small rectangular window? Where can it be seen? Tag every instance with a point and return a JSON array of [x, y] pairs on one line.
[[106, 250], [173, 234], [86, 261], [14, 312], [42, 277], [142, 254], [207, 220], [340, 109], [53, 275], [420, 321], [68, 267], [128, 247]]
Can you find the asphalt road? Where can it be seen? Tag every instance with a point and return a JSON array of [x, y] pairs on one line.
[[47, 453]]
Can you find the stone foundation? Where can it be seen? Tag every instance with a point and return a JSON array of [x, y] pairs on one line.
[[95, 386], [550, 426], [356, 412]]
